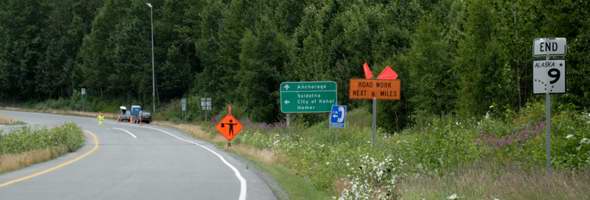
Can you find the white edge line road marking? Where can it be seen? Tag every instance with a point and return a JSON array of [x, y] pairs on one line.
[[126, 131], [243, 186], [59, 166]]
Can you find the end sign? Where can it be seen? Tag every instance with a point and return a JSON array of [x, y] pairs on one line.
[[549, 46]]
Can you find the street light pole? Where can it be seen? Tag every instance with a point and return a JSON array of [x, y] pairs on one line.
[[153, 68]]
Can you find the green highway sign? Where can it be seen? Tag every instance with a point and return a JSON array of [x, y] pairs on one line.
[[308, 97]]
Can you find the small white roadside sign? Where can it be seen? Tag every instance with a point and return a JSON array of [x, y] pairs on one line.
[[548, 76], [549, 46]]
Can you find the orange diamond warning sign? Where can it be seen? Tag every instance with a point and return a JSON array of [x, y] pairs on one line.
[[229, 127]]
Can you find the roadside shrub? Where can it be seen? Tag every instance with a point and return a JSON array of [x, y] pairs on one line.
[[439, 145], [570, 138], [68, 136]]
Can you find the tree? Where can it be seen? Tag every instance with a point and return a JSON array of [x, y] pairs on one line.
[[433, 79], [22, 25], [484, 73], [115, 56], [263, 58], [177, 53]]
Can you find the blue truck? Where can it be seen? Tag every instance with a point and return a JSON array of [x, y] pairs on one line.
[[134, 115]]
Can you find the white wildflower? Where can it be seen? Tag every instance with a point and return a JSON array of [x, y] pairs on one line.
[[585, 141], [453, 196], [569, 136]]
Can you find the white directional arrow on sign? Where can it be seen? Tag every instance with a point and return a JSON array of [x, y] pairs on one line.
[[287, 102], [286, 87]]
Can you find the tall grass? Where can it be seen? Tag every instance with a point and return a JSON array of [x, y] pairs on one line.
[[26, 146], [497, 182], [342, 162]]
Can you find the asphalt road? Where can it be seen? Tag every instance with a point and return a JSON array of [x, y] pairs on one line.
[[126, 161]]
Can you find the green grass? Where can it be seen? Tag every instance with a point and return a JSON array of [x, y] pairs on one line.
[[489, 182], [296, 186], [438, 149]]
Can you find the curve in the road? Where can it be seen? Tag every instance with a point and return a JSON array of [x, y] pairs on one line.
[[59, 166], [159, 163], [243, 183]]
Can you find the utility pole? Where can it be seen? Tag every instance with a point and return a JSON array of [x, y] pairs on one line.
[[153, 68]]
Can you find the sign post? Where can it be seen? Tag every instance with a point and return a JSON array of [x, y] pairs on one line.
[[374, 122], [385, 87], [183, 107], [549, 77], [83, 94]]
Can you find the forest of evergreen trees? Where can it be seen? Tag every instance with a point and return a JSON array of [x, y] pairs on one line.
[[464, 57]]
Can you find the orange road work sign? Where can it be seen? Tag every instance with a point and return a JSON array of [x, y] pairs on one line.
[[229, 127], [380, 89]]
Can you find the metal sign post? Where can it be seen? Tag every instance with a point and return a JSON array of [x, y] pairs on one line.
[[288, 119], [549, 77], [183, 107], [83, 94], [548, 129], [374, 125]]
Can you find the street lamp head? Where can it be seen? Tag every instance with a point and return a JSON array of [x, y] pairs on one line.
[[149, 5]]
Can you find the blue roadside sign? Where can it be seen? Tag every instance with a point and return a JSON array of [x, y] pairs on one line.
[[337, 116]]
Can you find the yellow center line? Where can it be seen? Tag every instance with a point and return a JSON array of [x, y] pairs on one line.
[[66, 163]]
